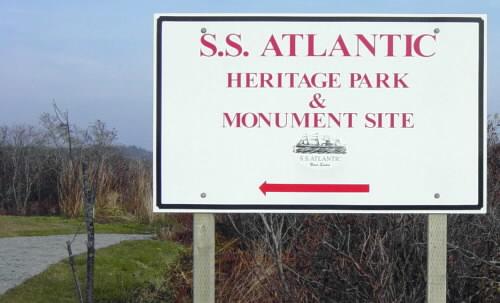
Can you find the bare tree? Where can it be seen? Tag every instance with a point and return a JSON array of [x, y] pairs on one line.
[[89, 195], [59, 129], [27, 160], [98, 139]]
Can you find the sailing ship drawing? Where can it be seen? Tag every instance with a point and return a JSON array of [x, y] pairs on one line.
[[313, 145]]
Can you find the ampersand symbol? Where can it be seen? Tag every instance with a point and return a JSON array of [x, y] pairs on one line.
[[317, 102]]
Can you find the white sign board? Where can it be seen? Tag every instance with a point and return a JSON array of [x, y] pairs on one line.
[[320, 113]]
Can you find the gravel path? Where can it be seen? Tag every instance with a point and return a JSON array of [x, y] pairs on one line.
[[24, 257]]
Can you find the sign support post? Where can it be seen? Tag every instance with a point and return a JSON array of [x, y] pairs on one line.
[[203, 258], [436, 258]]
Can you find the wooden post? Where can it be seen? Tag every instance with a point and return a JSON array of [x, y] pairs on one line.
[[203, 258], [436, 258]]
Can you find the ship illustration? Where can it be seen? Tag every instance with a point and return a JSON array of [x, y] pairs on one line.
[[313, 145]]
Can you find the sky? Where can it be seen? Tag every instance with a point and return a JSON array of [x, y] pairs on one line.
[[95, 58]]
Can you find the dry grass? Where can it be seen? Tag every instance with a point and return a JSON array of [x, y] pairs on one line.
[[245, 275], [143, 198], [70, 190], [118, 190]]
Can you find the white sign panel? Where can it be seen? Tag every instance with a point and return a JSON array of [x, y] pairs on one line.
[[320, 113]]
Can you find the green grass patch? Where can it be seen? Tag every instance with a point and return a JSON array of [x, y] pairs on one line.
[[121, 272], [14, 226]]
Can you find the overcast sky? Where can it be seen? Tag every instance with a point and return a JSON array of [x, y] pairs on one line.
[[94, 58]]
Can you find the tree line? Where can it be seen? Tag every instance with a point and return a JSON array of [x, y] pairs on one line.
[[41, 169]]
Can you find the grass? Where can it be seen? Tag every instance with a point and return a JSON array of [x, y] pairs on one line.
[[14, 226], [121, 272]]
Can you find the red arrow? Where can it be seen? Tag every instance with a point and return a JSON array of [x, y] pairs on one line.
[[314, 188]]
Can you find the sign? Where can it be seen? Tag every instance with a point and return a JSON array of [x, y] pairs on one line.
[[320, 113]]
